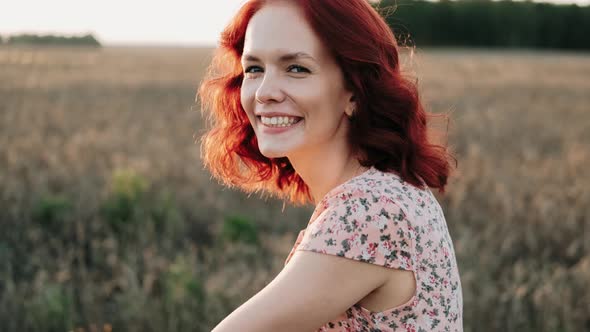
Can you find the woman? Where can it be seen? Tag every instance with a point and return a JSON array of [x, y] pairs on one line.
[[307, 103]]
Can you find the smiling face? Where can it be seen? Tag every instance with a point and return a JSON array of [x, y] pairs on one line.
[[288, 71]]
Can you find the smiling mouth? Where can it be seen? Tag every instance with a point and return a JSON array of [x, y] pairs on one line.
[[279, 125]]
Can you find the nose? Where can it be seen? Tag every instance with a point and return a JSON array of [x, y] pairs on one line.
[[269, 89]]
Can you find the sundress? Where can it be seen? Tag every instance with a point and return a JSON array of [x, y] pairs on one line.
[[378, 218]]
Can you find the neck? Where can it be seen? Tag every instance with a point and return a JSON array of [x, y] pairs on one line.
[[337, 166]]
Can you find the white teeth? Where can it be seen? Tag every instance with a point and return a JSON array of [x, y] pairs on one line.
[[278, 121]]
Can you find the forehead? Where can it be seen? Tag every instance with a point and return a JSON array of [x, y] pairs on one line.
[[280, 28]]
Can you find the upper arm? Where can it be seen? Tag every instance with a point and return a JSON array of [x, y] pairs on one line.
[[310, 291], [345, 254]]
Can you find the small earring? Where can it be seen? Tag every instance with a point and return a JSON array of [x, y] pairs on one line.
[[351, 112]]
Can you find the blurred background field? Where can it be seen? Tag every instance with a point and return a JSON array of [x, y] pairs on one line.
[[110, 222]]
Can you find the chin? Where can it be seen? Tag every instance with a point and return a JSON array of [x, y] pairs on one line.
[[274, 150], [272, 154]]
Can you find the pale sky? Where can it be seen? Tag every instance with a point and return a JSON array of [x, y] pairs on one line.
[[172, 22]]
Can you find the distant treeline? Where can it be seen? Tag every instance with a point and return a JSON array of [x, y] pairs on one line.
[[50, 40], [486, 23]]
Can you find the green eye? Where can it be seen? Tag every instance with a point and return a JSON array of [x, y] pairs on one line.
[[251, 67], [303, 69]]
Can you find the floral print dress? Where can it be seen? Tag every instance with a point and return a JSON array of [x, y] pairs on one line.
[[378, 218]]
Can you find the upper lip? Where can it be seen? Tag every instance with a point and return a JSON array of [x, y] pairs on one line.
[[269, 114]]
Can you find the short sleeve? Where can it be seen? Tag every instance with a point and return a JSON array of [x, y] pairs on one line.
[[363, 226]]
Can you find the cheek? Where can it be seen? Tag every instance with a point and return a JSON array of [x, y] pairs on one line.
[[310, 97], [324, 102], [244, 98], [247, 99]]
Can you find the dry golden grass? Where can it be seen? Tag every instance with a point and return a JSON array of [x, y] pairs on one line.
[[517, 207]]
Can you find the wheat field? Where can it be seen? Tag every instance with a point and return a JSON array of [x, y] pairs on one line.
[[110, 222]]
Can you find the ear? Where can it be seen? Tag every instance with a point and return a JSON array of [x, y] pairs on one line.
[[350, 106]]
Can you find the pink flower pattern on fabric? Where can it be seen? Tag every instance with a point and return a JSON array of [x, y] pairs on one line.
[[378, 218]]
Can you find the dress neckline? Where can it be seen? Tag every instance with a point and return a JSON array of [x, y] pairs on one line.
[[331, 191]]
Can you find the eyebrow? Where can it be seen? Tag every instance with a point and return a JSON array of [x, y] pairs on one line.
[[282, 58]]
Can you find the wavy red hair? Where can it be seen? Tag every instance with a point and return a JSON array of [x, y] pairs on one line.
[[388, 128]]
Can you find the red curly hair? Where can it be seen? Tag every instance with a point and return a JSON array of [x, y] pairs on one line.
[[388, 128]]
